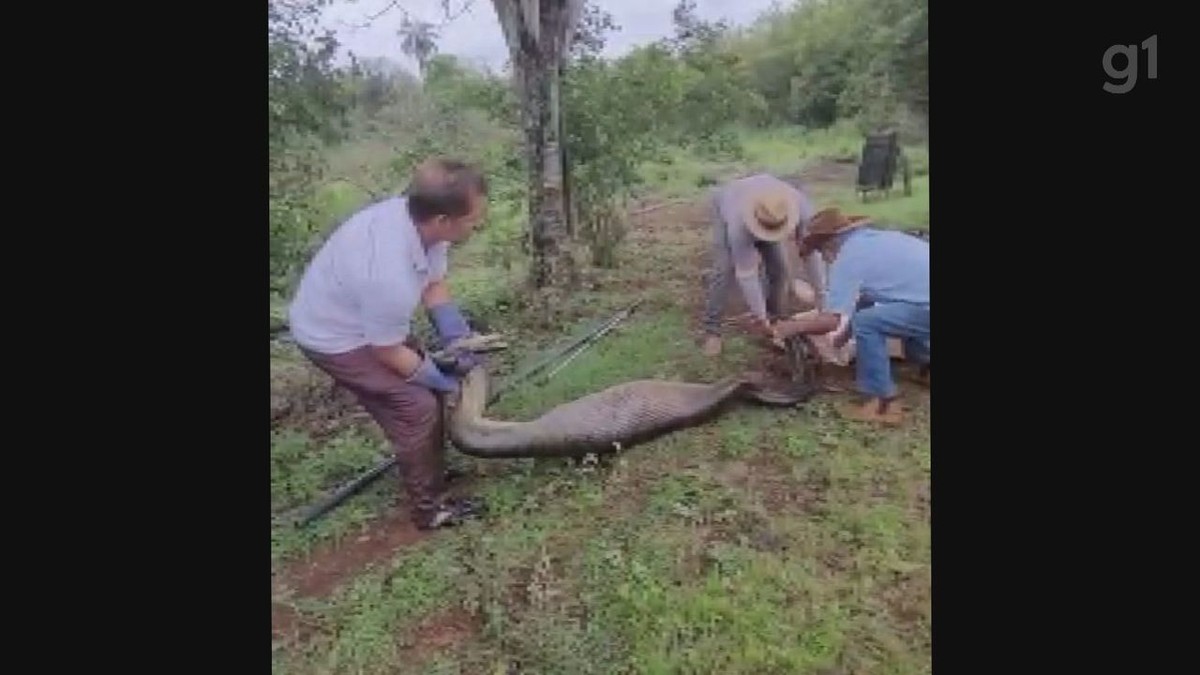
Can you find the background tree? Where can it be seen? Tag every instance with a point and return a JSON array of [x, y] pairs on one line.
[[418, 39], [306, 104], [567, 134], [539, 35]]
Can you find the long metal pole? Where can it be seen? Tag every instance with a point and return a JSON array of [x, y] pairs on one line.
[[341, 494], [570, 350], [592, 340]]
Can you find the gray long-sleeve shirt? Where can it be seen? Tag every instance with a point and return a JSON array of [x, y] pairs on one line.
[[731, 203]]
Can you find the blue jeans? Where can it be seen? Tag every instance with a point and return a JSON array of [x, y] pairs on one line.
[[872, 327]]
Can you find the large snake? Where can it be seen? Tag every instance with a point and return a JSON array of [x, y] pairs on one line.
[[603, 422]]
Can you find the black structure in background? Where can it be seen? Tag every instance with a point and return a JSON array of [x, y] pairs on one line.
[[881, 158]]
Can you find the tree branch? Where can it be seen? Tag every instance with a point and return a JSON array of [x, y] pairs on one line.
[[395, 4]]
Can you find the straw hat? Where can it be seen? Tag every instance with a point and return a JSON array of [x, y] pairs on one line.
[[831, 221], [772, 213]]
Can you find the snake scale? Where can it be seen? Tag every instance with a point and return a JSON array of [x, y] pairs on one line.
[[603, 422]]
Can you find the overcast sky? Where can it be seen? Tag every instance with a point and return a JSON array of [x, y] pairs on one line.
[[476, 35]]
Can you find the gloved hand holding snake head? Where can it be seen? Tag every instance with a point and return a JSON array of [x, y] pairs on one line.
[[451, 326]]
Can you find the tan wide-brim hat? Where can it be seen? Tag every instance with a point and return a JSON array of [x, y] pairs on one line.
[[772, 214], [830, 222]]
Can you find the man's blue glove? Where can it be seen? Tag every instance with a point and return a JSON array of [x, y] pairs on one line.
[[430, 376], [449, 322], [451, 325]]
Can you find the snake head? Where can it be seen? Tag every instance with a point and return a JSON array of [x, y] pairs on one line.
[[765, 389], [755, 378], [478, 343]]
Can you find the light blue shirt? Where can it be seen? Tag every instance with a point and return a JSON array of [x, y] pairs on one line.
[[878, 266]]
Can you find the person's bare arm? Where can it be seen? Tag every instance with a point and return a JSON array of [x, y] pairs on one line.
[[399, 358], [745, 259], [841, 301], [748, 281], [814, 266], [819, 323], [436, 293], [814, 262]]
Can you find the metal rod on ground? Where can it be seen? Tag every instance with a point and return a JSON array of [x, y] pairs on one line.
[[356, 485], [569, 351], [538, 366], [333, 499], [592, 340]]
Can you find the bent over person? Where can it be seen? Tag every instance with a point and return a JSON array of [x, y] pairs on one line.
[[878, 289], [352, 317], [752, 218]]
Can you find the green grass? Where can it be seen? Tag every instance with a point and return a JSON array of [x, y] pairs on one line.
[[302, 469], [766, 542], [682, 174], [898, 210], [779, 149]]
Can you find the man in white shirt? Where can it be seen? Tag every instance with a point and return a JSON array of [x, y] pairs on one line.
[[352, 317]]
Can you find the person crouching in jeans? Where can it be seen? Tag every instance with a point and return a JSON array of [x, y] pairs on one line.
[[878, 289]]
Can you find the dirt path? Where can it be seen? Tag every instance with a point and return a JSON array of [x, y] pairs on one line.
[[329, 566], [439, 633]]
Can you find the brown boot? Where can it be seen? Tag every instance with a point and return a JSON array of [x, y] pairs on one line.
[[874, 410]]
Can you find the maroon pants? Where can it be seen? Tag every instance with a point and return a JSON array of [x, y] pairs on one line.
[[410, 416]]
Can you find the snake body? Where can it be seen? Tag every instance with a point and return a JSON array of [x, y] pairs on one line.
[[603, 422]]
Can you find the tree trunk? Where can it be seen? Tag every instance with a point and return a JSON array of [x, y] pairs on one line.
[[569, 207], [552, 261], [537, 33]]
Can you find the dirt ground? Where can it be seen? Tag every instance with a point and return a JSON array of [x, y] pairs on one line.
[[329, 566], [440, 632]]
